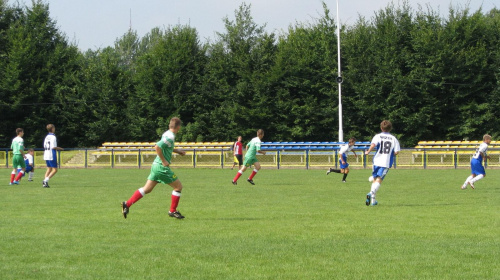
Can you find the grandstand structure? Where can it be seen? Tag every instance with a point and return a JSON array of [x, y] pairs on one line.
[[427, 154]]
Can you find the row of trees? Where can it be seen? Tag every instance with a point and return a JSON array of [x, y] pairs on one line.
[[435, 78]]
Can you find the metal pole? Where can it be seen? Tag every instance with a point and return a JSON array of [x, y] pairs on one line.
[[339, 77]]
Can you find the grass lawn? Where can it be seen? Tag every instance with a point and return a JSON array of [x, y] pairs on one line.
[[294, 224]]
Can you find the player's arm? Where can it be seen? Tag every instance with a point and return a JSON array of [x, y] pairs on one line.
[[356, 155], [57, 148], [160, 154], [370, 149], [180, 152], [261, 152], [484, 156]]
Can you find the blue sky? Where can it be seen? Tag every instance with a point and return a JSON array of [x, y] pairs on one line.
[[98, 23]]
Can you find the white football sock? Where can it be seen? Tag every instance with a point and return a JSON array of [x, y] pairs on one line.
[[46, 179], [375, 187], [477, 178], [467, 180], [31, 175]]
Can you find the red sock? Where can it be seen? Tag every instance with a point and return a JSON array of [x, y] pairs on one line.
[[175, 201], [19, 176], [253, 174], [12, 176], [135, 197], [238, 175]]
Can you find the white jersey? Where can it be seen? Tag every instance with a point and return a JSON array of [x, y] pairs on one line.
[[483, 148], [49, 144], [29, 158], [344, 149], [386, 145]]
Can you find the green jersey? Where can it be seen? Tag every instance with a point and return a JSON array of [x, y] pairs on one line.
[[17, 145], [253, 147], [166, 144]]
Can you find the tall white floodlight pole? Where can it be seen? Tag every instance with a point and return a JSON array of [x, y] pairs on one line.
[[339, 77]]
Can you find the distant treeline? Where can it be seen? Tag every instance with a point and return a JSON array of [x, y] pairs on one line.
[[435, 78]]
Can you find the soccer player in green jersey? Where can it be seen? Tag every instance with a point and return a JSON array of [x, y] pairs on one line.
[[253, 147], [161, 172], [18, 157]]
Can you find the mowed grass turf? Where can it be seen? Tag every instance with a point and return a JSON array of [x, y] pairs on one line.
[[294, 224]]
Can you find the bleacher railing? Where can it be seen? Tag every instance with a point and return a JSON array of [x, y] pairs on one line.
[[274, 158]]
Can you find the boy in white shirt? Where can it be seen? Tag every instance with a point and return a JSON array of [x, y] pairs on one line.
[[476, 163], [387, 147]]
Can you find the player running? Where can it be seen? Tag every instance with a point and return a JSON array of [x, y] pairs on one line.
[[238, 153], [17, 147], [161, 172], [344, 166], [476, 163], [50, 154], [253, 147], [387, 146]]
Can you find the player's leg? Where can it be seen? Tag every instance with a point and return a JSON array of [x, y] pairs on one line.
[[176, 196], [138, 194], [378, 175], [477, 169], [13, 176], [256, 169], [53, 172], [239, 173], [31, 172], [346, 171], [19, 175], [464, 186], [234, 162]]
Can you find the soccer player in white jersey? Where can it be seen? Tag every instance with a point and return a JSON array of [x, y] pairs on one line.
[[387, 147], [344, 166], [50, 154], [476, 163]]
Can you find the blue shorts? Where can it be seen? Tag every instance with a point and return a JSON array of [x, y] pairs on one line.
[[29, 168], [378, 171], [477, 167], [52, 163], [343, 166]]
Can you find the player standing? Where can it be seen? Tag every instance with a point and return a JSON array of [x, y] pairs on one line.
[[50, 154], [344, 166], [387, 146], [238, 153], [161, 172], [253, 147], [17, 147], [476, 163]]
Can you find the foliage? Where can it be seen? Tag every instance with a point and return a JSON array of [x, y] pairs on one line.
[[435, 77]]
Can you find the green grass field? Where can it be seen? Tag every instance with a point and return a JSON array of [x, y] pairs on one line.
[[294, 224]]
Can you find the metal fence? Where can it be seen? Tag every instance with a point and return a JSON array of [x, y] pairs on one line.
[[213, 158]]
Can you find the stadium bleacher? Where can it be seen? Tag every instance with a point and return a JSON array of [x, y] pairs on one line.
[[228, 145], [453, 144]]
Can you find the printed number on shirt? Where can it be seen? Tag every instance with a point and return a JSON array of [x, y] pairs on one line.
[[47, 147], [385, 147]]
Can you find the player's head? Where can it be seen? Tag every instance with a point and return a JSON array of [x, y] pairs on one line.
[[19, 132], [487, 138], [260, 133], [352, 141], [386, 126], [31, 151], [175, 124], [51, 128], [240, 138]]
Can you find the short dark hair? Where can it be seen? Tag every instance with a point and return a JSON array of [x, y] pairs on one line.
[[386, 126], [352, 139], [19, 130], [174, 122]]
